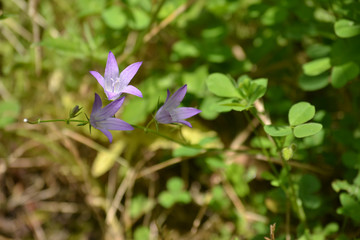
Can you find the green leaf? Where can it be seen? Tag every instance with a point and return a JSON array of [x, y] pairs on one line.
[[317, 66], [186, 152], [301, 112], [351, 207], [175, 184], [166, 199], [231, 104], [307, 129], [208, 108], [215, 163], [140, 205], [183, 49], [175, 193], [274, 15], [341, 74], [268, 176], [183, 197], [313, 83], [346, 28], [257, 89], [114, 17], [277, 131], [140, 19], [220, 85], [142, 233]]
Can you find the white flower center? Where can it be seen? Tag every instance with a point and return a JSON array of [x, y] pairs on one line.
[[173, 115], [114, 85]]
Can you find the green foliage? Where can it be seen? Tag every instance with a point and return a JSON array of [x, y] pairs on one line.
[[238, 96], [252, 157], [114, 17], [140, 205], [317, 66], [277, 131], [174, 193], [345, 28], [343, 73], [298, 115], [142, 233], [235, 174]]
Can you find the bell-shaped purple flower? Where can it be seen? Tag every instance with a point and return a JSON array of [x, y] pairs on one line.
[[103, 118], [169, 113], [113, 83]]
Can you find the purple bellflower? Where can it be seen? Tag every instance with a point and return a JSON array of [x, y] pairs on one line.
[[113, 83], [102, 118], [169, 113]]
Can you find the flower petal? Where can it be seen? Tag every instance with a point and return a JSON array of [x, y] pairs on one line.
[[96, 109], [132, 90], [98, 77], [185, 123], [111, 108], [107, 134], [163, 116], [176, 98], [129, 72], [111, 71], [115, 124], [112, 96], [185, 112]]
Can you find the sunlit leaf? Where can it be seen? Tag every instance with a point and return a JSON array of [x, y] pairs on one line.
[[317, 66], [220, 85], [300, 113], [307, 129], [345, 28], [277, 131]]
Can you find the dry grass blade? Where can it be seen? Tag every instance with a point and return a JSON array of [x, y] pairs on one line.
[[272, 232]]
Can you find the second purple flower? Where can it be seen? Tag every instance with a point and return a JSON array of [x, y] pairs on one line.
[[169, 113]]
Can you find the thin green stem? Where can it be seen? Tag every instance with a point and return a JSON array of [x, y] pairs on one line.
[[54, 120], [290, 191]]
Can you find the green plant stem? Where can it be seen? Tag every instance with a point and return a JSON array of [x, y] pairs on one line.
[[55, 120], [290, 191]]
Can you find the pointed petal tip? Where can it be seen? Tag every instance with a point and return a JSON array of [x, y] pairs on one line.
[[130, 89], [186, 123]]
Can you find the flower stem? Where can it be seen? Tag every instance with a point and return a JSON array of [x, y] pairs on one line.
[[55, 120]]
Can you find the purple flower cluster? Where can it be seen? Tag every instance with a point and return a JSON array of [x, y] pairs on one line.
[[114, 84]]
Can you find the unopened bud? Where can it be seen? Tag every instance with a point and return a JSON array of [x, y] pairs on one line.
[[75, 111]]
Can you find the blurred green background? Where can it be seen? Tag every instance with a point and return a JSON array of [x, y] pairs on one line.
[[58, 181]]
